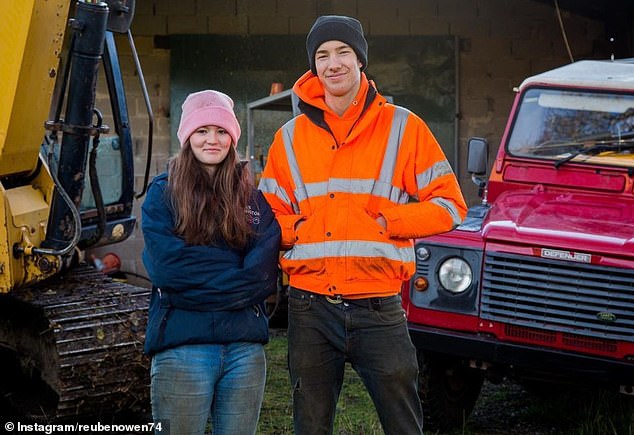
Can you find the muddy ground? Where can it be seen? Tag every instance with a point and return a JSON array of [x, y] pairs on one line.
[[508, 409]]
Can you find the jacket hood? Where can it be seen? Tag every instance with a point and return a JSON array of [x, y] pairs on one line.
[[310, 90], [567, 220], [312, 102]]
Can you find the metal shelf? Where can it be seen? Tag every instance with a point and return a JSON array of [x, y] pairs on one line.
[[282, 101]]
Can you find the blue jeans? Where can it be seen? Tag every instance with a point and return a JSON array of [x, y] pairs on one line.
[[323, 336], [191, 382]]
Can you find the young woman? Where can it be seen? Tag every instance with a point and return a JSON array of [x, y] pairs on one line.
[[211, 250]]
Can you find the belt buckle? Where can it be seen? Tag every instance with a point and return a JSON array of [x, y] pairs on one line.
[[337, 300]]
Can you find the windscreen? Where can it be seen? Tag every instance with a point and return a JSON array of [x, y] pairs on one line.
[[563, 125]]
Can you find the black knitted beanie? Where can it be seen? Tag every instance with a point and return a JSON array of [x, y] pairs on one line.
[[339, 28]]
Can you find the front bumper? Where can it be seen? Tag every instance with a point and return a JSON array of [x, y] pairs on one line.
[[524, 360]]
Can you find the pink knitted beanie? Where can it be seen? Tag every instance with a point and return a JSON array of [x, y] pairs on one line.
[[208, 108]]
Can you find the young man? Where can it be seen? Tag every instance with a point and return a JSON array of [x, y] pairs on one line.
[[351, 181]]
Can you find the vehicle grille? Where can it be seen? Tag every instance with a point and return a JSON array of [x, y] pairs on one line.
[[578, 299]]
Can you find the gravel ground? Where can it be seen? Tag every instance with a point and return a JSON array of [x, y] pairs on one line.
[[507, 409], [504, 409]]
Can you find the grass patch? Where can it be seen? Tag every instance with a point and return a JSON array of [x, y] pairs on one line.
[[355, 411], [277, 407]]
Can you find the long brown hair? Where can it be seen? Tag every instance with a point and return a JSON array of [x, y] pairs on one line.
[[210, 207]]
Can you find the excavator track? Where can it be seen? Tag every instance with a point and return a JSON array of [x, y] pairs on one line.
[[73, 347]]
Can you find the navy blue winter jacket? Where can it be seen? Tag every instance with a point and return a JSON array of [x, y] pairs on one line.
[[206, 294]]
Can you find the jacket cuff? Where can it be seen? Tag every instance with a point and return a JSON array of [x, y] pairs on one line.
[[287, 224], [392, 219]]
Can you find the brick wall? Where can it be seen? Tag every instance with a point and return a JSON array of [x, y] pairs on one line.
[[500, 43]]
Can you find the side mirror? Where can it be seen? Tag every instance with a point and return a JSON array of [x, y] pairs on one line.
[[478, 156]]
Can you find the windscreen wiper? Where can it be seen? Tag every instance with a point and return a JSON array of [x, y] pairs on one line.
[[600, 147]]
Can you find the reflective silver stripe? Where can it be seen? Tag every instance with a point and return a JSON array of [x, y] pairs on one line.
[[394, 194], [357, 186], [350, 248], [383, 186], [393, 143], [350, 185], [269, 185], [345, 185], [316, 189], [287, 135], [450, 207], [438, 169]]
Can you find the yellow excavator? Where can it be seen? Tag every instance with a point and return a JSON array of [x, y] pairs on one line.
[[71, 338]]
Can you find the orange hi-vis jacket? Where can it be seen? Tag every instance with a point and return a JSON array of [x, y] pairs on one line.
[[338, 174]]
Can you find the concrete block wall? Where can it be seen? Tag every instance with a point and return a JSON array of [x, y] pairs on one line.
[[500, 43]]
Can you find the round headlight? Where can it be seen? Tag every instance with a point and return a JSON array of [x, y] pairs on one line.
[[455, 275]]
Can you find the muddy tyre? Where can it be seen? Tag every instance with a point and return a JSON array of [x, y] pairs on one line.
[[448, 391]]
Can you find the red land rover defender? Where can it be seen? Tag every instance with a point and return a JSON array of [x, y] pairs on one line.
[[538, 282]]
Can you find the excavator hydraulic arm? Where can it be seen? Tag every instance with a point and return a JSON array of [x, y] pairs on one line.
[[52, 66]]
